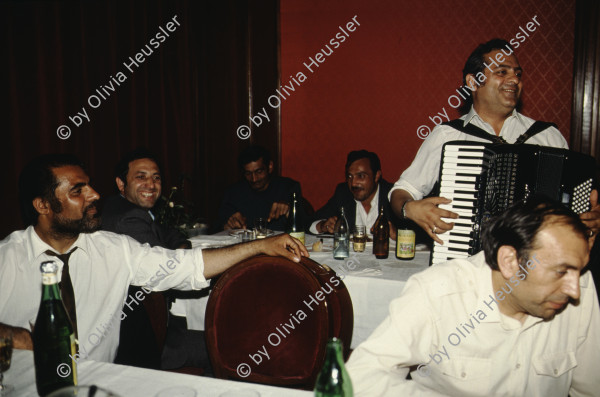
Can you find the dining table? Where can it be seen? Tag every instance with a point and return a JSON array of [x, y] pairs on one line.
[[372, 283], [126, 381]]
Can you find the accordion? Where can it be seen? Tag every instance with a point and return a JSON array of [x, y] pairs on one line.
[[483, 179]]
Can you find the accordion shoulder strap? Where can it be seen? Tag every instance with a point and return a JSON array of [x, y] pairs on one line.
[[535, 128], [472, 130]]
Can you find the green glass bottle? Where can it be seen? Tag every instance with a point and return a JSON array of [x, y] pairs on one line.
[[295, 227], [53, 337], [333, 380]]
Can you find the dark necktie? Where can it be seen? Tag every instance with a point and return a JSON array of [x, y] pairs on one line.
[[66, 287]]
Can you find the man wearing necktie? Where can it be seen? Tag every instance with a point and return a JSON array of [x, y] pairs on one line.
[[59, 205]]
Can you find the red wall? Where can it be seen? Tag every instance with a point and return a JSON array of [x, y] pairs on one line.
[[398, 68]]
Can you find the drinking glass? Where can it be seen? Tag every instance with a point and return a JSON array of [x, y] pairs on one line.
[[359, 238], [247, 235], [6, 348], [260, 227]]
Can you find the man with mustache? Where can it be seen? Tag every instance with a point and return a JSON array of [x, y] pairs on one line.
[[494, 75], [138, 179], [260, 195], [518, 319], [361, 195], [58, 204]]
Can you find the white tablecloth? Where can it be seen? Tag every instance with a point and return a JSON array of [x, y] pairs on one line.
[[372, 283], [133, 382]]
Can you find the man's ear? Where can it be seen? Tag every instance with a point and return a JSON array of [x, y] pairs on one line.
[[377, 176], [270, 166], [508, 262], [472, 82], [120, 185], [41, 206]]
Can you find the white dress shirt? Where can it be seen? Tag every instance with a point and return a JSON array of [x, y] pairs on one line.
[[420, 177], [497, 356], [362, 217], [101, 269]]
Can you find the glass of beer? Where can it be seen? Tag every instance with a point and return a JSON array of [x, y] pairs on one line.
[[359, 238], [260, 227]]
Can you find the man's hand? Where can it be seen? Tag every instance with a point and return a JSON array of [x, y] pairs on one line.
[[592, 218], [327, 226], [236, 221], [277, 210], [428, 215], [283, 245]]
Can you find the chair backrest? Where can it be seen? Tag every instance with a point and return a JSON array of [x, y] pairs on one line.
[[268, 320]]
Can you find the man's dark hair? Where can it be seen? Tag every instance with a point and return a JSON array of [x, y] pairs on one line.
[[38, 180], [253, 153], [475, 63], [363, 154], [519, 224], [122, 167]]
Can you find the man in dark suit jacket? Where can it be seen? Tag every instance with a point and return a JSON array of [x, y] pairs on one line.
[[138, 179], [365, 186]]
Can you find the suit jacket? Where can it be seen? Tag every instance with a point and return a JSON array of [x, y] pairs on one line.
[[123, 217], [343, 197], [137, 343]]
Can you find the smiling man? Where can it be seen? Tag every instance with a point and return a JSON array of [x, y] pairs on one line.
[[493, 74], [361, 196], [59, 207], [498, 323]]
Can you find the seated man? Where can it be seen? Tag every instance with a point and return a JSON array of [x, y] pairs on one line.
[[361, 196], [138, 179], [517, 319], [60, 206], [494, 76], [261, 195]]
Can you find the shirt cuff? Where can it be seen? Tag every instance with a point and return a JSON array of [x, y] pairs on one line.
[[313, 227], [416, 194]]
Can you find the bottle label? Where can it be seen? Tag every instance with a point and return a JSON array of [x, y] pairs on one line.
[[298, 235], [49, 279], [405, 244], [73, 362]]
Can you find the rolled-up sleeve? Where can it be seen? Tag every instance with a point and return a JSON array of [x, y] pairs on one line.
[[159, 269]]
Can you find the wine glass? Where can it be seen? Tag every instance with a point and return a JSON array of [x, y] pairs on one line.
[[6, 348]]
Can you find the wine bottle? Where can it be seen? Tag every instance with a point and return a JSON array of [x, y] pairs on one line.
[[381, 236], [405, 241], [341, 237], [295, 227], [333, 380], [53, 337]]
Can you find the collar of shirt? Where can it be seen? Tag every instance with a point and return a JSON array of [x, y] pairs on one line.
[[485, 289], [361, 215], [474, 118], [38, 247]]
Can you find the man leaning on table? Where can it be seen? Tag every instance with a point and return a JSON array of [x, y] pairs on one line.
[[361, 195], [59, 205], [494, 75], [517, 319]]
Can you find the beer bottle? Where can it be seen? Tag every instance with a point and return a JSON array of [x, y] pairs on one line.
[[53, 337], [405, 241], [295, 226], [381, 236], [341, 237], [333, 380]]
